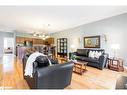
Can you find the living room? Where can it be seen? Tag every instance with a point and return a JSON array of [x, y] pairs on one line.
[[96, 32]]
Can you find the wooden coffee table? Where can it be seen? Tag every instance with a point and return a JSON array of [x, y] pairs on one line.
[[79, 67]]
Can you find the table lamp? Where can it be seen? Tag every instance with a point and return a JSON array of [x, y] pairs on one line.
[[115, 47], [72, 48]]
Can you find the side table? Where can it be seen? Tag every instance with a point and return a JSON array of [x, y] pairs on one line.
[[115, 64]]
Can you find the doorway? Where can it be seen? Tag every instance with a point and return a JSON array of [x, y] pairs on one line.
[[8, 45]]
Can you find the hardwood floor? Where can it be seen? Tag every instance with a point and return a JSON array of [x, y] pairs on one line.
[[96, 79], [11, 73], [11, 76]]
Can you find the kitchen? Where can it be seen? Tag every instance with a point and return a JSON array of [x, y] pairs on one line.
[[23, 43]]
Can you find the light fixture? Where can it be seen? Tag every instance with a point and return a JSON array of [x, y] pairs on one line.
[[42, 34], [115, 48], [34, 34], [72, 48], [47, 36], [43, 38], [39, 36]]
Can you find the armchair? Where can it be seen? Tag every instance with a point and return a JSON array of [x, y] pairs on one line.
[[51, 77]]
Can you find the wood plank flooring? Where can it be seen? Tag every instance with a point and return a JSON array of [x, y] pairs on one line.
[[11, 73], [11, 76]]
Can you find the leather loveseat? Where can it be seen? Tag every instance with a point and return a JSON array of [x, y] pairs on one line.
[[83, 55], [57, 76]]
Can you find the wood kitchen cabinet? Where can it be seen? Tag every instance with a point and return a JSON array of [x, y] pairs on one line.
[[38, 41], [49, 41], [19, 40], [28, 39], [23, 39], [41, 41], [35, 40]]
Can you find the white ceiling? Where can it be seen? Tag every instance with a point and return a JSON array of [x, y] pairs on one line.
[[33, 18]]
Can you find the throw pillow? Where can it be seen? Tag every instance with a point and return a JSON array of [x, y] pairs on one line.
[[92, 54], [98, 54]]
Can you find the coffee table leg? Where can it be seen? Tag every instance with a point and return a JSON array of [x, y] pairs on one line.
[[80, 70]]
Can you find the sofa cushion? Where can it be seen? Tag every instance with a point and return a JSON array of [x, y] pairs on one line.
[[79, 57], [99, 50], [91, 54], [82, 52], [97, 54], [42, 61], [88, 59]]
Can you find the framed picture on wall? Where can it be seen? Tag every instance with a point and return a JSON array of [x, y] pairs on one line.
[[92, 42]]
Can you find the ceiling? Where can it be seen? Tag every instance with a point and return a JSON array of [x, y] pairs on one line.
[[35, 18]]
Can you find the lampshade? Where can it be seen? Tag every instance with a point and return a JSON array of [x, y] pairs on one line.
[[115, 46], [72, 46]]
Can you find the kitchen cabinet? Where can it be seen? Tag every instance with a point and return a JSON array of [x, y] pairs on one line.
[[19, 40], [49, 41], [28, 39], [38, 41]]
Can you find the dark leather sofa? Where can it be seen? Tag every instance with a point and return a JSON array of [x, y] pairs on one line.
[[51, 77], [83, 55]]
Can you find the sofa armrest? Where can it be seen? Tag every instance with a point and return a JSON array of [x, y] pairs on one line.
[[75, 53], [54, 77], [103, 60], [49, 69]]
